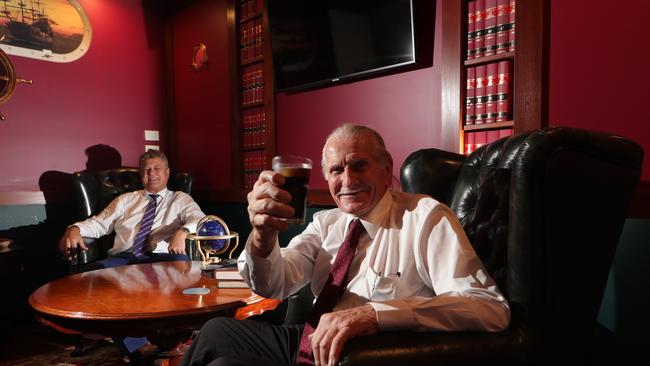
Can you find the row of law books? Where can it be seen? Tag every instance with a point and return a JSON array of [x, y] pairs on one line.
[[490, 27], [476, 139], [249, 8], [489, 93], [253, 84], [254, 127], [250, 40], [254, 163]]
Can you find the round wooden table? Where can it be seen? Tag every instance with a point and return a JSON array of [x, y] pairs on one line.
[[141, 300]]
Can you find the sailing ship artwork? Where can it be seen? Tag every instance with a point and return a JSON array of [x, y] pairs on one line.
[[53, 30]]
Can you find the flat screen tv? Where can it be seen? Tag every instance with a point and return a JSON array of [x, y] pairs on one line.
[[321, 43]]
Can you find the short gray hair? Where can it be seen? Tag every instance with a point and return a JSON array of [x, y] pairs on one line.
[[152, 154], [351, 130]]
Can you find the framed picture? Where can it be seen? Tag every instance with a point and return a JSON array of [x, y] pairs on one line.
[[50, 30]]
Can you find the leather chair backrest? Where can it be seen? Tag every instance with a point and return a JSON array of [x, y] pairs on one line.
[[94, 191], [544, 211]]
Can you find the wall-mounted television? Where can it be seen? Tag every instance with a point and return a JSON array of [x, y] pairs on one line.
[[325, 42]]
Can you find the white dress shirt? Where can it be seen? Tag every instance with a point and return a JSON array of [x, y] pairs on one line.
[[414, 266], [124, 214]]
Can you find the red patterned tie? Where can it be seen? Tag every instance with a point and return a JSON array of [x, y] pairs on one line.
[[333, 289], [145, 226]]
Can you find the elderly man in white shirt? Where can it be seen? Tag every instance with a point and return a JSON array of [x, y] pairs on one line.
[[413, 267]]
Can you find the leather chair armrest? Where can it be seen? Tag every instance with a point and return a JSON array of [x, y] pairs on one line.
[[97, 250], [439, 348], [92, 254], [299, 306]]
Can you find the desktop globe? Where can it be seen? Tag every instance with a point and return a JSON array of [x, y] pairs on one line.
[[212, 240], [212, 225]]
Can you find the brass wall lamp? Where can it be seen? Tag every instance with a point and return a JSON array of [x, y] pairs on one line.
[[200, 57]]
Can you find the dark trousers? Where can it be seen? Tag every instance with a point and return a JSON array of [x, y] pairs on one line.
[[129, 345], [226, 341]]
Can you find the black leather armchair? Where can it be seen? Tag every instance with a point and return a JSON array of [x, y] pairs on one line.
[[94, 191], [544, 211]]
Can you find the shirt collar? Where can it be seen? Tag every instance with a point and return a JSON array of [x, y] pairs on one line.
[[373, 220], [162, 193]]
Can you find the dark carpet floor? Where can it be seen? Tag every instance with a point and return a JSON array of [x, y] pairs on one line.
[[34, 344]]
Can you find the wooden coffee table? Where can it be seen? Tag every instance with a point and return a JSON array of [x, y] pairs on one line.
[[141, 300]]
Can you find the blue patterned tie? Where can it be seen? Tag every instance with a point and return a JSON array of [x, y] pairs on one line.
[[145, 226]]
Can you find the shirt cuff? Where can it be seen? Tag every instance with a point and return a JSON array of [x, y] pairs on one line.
[[249, 264], [82, 229], [394, 315]]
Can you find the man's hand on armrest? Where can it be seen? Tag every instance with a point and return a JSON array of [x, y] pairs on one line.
[[177, 244], [69, 242], [335, 328]]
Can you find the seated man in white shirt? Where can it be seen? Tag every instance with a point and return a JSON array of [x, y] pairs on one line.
[[145, 230], [413, 268]]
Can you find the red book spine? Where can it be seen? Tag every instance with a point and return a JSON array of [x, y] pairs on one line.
[[491, 93], [242, 44], [505, 133], [503, 91], [471, 28], [243, 9], [480, 139], [246, 124], [511, 25], [470, 144], [259, 39], [492, 136], [251, 7], [250, 42], [470, 98], [490, 27], [479, 25], [502, 26], [480, 98], [258, 83]]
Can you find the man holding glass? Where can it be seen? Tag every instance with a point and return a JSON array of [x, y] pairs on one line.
[[409, 265]]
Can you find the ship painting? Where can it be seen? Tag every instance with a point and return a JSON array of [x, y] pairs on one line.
[[31, 26], [56, 30]]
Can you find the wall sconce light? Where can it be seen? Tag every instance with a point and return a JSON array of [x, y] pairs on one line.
[[200, 57]]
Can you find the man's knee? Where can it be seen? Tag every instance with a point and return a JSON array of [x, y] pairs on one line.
[[214, 329]]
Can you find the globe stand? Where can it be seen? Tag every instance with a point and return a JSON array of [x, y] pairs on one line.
[[209, 256]]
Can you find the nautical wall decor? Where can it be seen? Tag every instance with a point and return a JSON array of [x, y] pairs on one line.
[[50, 30]]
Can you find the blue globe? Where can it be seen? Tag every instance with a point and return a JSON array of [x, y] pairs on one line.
[[213, 226]]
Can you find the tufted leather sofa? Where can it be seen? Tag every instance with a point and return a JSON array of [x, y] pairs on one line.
[[94, 191], [544, 211]]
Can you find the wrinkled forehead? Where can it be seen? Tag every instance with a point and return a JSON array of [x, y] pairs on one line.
[[338, 150]]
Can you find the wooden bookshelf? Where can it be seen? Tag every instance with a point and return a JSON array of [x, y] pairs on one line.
[[253, 105], [529, 62]]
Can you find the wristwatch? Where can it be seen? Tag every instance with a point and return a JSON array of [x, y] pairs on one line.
[[185, 229]]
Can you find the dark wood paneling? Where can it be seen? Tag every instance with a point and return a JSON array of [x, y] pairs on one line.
[[451, 73]]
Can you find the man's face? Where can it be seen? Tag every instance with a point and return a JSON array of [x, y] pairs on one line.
[[356, 180], [154, 174]]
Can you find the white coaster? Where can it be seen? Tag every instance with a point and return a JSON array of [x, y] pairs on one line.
[[196, 291]]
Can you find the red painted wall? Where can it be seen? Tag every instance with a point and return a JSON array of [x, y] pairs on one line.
[[599, 71], [404, 108], [109, 96], [202, 99]]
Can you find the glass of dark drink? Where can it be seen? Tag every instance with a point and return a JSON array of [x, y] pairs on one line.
[[296, 171]]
